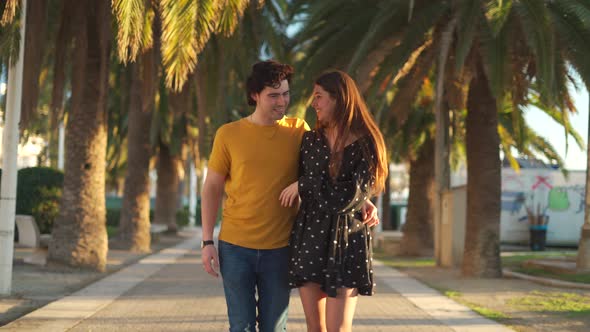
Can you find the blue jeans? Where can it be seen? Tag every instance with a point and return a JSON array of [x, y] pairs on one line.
[[245, 271]]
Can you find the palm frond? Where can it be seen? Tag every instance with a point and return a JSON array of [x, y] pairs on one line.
[[546, 149], [180, 42], [497, 57], [469, 17], [147, 37], [578, 9], [410, 85], [130, 25], [382, 24], [574, 32], [9, 42], [497, 14], [540, 37], [506, 143], [416, 33], [9, 12], [231, 12], [208, 12], [560, 117]]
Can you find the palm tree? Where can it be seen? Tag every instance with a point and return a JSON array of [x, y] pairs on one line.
[[35, 42], [186, 26], [134, 224], [138, 37], [40, 28], [414, 143], [171, 142], [79, 235], [496, 50], [583, 259], [62, 50], [491, 48]]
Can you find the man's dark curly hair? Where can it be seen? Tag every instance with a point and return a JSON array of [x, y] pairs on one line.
[[266, 73]]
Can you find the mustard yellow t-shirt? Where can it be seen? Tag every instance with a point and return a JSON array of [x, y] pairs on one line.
[[258, 162]]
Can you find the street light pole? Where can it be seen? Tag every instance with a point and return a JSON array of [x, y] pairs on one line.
[[10, 139]]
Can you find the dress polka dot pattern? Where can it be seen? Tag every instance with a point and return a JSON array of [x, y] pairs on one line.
[[329, 244]]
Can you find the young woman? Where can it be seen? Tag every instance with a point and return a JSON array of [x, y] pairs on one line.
[[342, 165]]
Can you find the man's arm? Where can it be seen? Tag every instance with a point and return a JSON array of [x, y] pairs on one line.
[[210, 202]]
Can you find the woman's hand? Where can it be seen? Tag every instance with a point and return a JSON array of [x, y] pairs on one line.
[[290, 195], [369, 210]]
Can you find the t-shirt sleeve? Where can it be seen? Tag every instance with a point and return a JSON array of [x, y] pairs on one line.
[[220, 160]]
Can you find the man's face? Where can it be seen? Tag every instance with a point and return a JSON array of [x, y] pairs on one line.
[[272, 102]]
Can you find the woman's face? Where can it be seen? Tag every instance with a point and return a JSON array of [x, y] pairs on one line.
[[323, 104]]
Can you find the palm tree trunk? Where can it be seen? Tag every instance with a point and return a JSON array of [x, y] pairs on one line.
[[79, 234], [481, 256], [34, 45], [583, 259], [386, 204], [201, 92], [167, 189], [417, 237], [134, 231], [59, 78]]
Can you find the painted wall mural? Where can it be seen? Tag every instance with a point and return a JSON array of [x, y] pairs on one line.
[[543, 192]]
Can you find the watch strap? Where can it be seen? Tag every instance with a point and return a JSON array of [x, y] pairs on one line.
[[207, 242]]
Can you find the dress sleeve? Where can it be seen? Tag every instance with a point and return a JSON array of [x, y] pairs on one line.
[[339, 197]]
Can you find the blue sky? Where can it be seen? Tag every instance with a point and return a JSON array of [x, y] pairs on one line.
[[545, 126]]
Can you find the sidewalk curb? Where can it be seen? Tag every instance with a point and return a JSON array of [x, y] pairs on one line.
[[545, 281], [67, 312], [456, 316]]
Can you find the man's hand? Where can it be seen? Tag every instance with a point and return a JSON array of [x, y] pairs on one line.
[[208, 254], [370, 216], [290, 195]]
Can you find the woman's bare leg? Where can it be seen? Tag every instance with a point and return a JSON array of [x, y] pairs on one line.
[[313, 300], [340, 310]]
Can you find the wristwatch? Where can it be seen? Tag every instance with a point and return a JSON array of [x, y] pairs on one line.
[[206, 243]]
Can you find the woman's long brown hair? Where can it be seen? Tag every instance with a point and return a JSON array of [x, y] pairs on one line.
[[352, 119]]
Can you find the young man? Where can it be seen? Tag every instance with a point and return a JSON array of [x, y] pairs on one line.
[[253, 160]]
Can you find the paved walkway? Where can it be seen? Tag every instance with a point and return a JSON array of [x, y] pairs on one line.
[[169, 291]]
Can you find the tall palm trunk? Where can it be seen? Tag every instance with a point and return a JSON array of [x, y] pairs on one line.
[[59, 77], [134, 231], [417, 237], [583, 259], [34, 45], [386, 204], [167, 189], [201, 93], [79, 234], [481, 257]]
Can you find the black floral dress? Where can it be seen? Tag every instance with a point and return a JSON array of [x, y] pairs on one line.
[[329, 245]]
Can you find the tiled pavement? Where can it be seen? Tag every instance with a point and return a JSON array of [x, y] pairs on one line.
[[170, 291]]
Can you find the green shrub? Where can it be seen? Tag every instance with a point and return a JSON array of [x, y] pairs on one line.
[[46, 211], [113, 217], [182, 217], [39, 191], [38, 194]]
